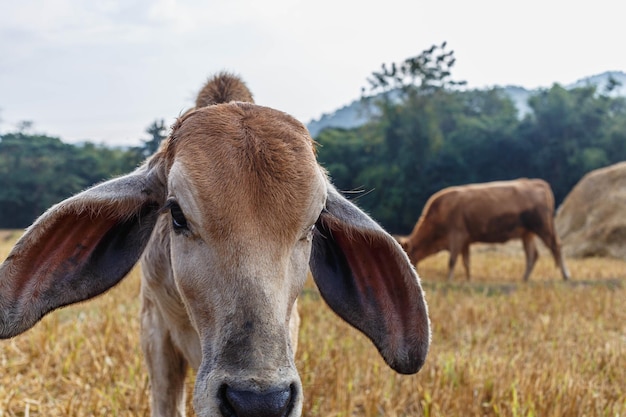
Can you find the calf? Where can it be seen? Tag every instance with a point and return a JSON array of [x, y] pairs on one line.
[[227, 217]]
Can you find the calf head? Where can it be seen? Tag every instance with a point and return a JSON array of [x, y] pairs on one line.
[[250, 211]]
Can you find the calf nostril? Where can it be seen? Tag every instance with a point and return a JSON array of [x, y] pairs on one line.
[[243, 403]]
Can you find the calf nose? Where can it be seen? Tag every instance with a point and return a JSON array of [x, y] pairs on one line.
[[242, 403]]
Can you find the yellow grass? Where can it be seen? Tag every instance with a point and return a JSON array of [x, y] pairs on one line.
[[500, 348]]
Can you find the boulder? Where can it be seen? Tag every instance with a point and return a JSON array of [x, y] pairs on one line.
[[591, 221]]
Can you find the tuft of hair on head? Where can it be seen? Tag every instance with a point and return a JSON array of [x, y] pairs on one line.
[[223, 87]]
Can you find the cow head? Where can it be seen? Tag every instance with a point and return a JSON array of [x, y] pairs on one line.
[[249, 211]]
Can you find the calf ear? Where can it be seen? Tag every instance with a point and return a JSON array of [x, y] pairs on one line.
[[78, 249], [366, 278]]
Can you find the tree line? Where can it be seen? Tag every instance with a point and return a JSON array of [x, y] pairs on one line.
[[37, 171], [425, 132]]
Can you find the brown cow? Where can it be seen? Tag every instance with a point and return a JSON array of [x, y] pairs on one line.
[[493, 212], [227, 218]]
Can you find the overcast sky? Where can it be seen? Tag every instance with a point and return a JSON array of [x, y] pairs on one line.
[[103, 70]]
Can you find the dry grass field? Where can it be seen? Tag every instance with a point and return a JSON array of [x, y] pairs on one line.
[[500, 347]]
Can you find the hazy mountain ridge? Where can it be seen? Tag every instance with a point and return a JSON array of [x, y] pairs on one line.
[[355, 114]]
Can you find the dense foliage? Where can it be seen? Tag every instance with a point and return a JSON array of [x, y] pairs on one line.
[[37, 171], [428, 134]]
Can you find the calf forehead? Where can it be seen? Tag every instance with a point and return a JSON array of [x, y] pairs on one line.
[[248, 166]]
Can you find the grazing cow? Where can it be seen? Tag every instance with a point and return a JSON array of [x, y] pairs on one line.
[[227, 217], [493, 212]]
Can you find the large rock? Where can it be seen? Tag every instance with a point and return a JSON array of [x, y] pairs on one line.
[[592, 219]]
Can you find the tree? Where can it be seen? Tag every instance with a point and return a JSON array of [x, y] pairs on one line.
[[157, 131], [33, 176], [428, 71], [568, 132], [409, 95], [37, 171], [427, 135]]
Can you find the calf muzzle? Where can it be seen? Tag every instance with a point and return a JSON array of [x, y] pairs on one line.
[[246, 403]]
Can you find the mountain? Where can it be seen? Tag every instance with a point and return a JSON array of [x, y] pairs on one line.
[[352, 115], [601, 81], [356, 113]]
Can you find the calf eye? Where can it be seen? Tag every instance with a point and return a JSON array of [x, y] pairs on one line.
[[179, 222]]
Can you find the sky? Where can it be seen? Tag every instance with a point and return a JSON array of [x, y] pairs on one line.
[[104, 70]]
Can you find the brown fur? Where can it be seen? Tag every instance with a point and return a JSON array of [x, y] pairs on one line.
[[223, 88], [495, 212], [236, 163]]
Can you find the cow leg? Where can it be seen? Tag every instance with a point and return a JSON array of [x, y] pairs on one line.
[[166, 365], [559, 260], [550, 240], [466, 261], [531, 253], [454, 253]]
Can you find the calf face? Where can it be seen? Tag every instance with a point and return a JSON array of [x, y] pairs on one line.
[[242, 225]]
